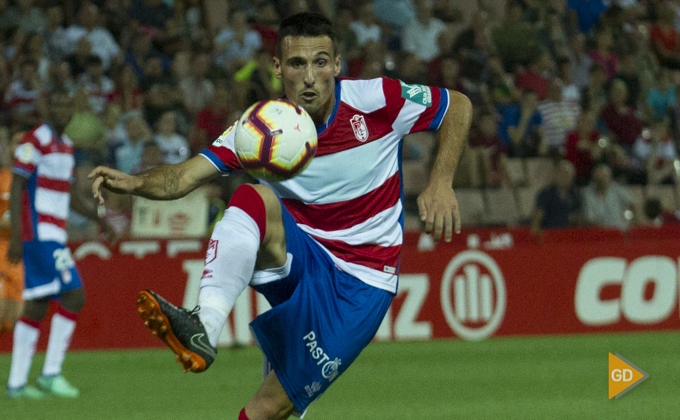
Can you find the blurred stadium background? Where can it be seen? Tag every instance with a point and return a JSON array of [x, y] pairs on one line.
[[557, 265]]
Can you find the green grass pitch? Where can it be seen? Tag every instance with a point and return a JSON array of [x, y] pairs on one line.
[[503, 378]]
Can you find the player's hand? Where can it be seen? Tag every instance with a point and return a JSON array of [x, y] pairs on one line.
[[113, 180], [438, 208], [15, 251]]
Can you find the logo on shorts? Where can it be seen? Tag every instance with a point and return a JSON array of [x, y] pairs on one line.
[[211, 254], [330, 369], [311, 390], [359, 127]]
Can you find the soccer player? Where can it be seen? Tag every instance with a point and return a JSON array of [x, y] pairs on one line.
[[42, 172], [11, 275], [322, 247]]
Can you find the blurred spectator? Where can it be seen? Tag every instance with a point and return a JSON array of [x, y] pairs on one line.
[[258, 80], [580, 62], [487, 153], [151, 15], [55, 35], [585, 14], [584, 148], [501, 84], [553, 34], [559, 117], [420, 36], [654, 154], [521, 127], [236, 44], [211, 122], [128, 95], [515, 39], [114, 130], [620, 118], [141, 51], [557, 205], [102, 42], [33, 49], [161, 92], [412, 70], [86, 131], [78, 60], [594, 96], [397, 13], [98, 87], [465, 41], [661, 98], [267, 25], [152, 157], [366, 28], [197, 90], [603, 55], [12, 49], [629, 75], [118, 213], [348, 44], [60, 77], [24, 16], [128, 155], [659, 215], [534, 77], [23, 98], [570, 92], [174, 147], [665, 41], [605, 201]]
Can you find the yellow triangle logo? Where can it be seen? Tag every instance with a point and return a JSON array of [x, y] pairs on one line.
[[623, 375]]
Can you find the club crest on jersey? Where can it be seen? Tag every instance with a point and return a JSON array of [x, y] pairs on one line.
[[359, 127]]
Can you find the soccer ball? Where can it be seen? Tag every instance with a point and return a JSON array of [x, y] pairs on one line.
[[275, 140]]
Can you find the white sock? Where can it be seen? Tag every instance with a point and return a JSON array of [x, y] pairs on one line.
[[23, 349], [227, 275], [61, 332]]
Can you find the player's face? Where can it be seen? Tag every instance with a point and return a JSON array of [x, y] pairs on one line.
[[308, 68], [61, 110]]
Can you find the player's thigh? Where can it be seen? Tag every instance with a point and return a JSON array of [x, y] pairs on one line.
[[273, 249]]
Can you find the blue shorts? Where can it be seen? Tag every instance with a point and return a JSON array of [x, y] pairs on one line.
[[321, 319], [49, 270]]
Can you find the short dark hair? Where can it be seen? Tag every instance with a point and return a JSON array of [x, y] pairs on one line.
[[306, 24]]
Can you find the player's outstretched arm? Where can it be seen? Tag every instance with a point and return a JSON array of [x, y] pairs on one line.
[[166, 182], [437, 205]]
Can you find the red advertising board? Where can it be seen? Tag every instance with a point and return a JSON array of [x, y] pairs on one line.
[[485, 283]]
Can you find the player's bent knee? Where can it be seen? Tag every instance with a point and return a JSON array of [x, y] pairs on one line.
[[73, 300], [263, 206]]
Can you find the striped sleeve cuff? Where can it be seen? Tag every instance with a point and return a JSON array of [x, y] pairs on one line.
[[441, 111]]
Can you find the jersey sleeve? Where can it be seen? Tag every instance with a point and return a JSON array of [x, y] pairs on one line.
[[414, 108], [27, 155], [222, 153]]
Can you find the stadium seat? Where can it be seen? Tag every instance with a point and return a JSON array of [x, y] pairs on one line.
[[539, 171], [516, 173], [471, 206], [526, 201], [501, 207], [665, 194], [638, 192]]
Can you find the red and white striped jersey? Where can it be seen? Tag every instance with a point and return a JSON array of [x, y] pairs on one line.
[[349, 199], [25, 101], [47, 161]]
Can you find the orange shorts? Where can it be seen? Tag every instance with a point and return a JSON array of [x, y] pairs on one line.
[[11, 276]]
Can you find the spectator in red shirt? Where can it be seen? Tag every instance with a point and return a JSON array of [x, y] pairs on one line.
[[211, 121], [488, 153], [128, 95], [582, 148], [603, 55], [23, 98], [620, 118], [664, 39], [533, 78]]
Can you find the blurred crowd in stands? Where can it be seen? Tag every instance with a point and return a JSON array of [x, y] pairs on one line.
[[576, 122]]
